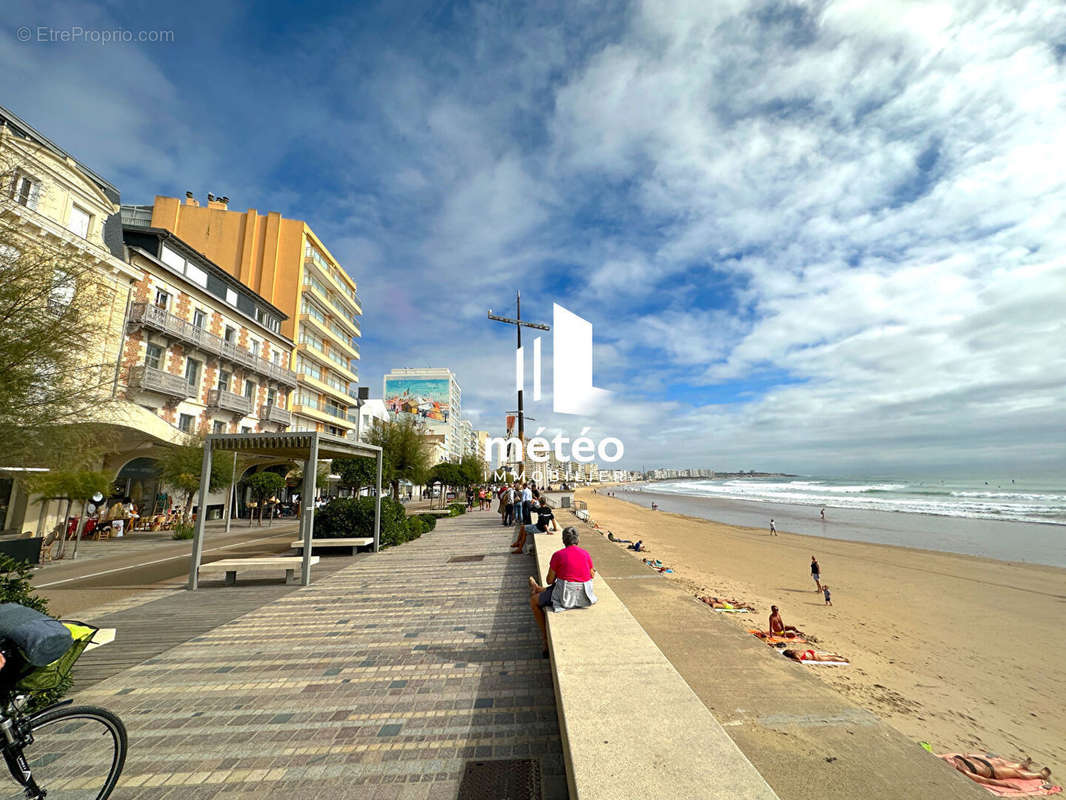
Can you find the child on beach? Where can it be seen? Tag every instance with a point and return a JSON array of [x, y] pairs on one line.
[[828, 600], [773, 528]]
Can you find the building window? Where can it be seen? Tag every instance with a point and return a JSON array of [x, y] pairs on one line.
[[253, 345], [231, 334], [272, 397], [218, 426], [79, 221], [195, 274], [249, 389], [223, 380], [199, 317], [185, 423], [245, 429], [192, 372], [26, 191], [162, 299], [172, 259], [231, 297], [153, 356], [62, 293]]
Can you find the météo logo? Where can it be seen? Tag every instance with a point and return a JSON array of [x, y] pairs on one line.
[[572, 393], [572, 389]]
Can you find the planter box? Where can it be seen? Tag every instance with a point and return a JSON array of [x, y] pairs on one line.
[[21, 548]]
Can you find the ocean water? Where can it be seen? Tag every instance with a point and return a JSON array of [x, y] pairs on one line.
[[998, 499], [1023, 521]]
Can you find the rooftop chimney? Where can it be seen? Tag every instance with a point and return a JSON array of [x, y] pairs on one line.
[[190, 200], [210, 197], [219, 202]]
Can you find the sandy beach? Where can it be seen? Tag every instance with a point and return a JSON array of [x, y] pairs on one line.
[[955, 650]]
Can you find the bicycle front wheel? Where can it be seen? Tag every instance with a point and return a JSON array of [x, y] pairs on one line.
[[77, 754]]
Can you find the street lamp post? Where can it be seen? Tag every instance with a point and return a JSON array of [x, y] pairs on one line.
[[518, 322]]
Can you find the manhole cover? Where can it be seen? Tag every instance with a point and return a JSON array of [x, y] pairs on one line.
[[501, 780], [459, 559]]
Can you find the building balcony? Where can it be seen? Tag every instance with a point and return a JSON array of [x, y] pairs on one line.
[[159, 319], [343, 368], [326, 414], [229, 401], [347, 293], [338, 304], [151, 379], [272, 413]]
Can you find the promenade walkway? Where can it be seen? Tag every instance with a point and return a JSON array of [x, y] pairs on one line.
[[393, 675]]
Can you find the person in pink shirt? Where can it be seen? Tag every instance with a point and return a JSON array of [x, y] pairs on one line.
[[570, 574]]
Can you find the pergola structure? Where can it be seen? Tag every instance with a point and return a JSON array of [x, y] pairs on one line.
[[307, 446]]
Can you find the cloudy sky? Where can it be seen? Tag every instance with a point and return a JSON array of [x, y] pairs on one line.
[[824, 237]]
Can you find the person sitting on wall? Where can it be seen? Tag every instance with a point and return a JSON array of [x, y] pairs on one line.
[[570, 574]]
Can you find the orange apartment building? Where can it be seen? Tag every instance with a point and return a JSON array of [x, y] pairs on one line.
[[284, 262]]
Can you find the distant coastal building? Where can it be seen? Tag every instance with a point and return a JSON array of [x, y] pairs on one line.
[[432, 396], [288, 265]]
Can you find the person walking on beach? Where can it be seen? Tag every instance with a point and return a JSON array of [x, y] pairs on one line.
[[823, 515], [773, 528], [816, 574], [828, 599]]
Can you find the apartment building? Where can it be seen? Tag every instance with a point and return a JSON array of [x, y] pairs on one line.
[[432, 396], [202, 350], [285, 263], [52, 201]]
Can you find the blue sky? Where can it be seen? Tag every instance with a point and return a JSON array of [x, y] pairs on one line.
[[821, 237]]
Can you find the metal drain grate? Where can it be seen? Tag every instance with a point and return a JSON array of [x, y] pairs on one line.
[[501, 780], [462, 559]]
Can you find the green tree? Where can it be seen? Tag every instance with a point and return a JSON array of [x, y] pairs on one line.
[[263, 486], [472, 468], [405, 455], [181, 466], [73, 486], [355, 473]]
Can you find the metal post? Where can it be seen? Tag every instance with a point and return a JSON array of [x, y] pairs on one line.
[[310, 476], [232, 492], [358, 420], [201, 519], [81, 527], [377, 507]]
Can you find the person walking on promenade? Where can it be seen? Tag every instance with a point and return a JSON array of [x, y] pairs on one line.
[[507, 505], [773, 528], [816, 574], [527, 504], [517, 503]]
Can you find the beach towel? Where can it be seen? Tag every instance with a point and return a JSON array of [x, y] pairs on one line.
[[788, 638], [1023, 788]]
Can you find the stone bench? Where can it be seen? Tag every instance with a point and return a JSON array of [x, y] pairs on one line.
[[630, 724], [231, 566], [353, 542]]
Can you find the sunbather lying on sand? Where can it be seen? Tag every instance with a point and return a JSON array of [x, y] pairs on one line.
[[724, 603], [613, 538], [784, 637], [812, 655], [991, 770]]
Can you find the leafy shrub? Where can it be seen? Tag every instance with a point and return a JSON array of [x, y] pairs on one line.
[[183, 530], [15, 588], [416, 526], [430, 520], [348, 517], [455, 509]]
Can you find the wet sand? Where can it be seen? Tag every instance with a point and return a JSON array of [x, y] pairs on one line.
[[956, 650]]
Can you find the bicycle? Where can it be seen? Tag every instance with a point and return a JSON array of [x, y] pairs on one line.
[[62, 751]]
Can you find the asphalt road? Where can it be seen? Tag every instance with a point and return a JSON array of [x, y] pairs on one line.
[[73, 587]]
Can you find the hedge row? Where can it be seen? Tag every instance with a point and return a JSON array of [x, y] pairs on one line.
[[351, 517]]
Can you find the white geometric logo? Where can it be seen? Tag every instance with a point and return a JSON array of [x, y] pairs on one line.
[[572, 389]]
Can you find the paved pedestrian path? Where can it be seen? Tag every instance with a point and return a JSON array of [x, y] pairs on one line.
[[383, 679]]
